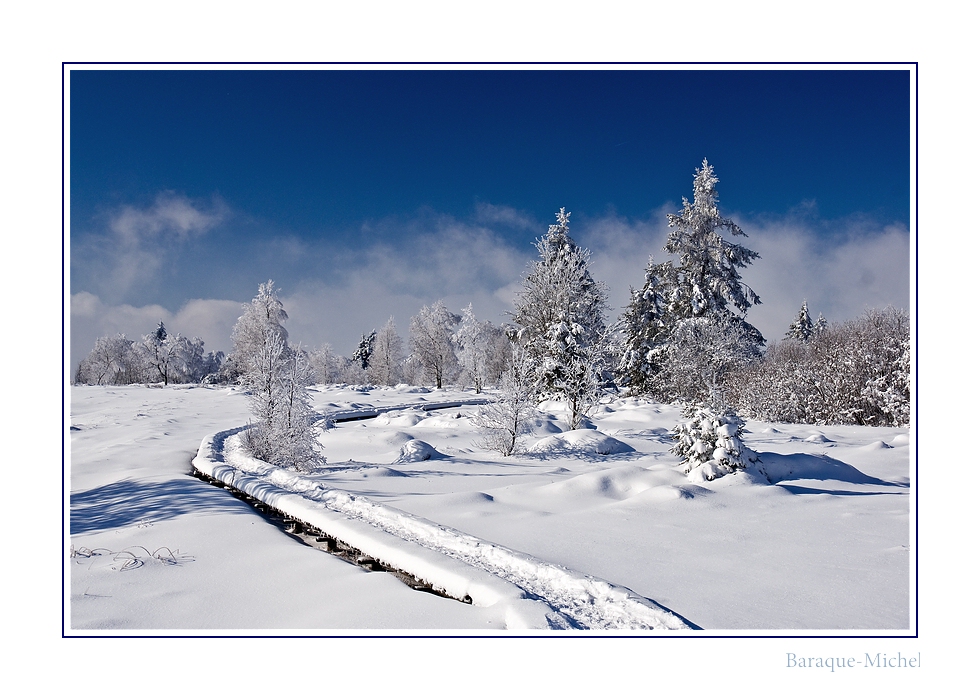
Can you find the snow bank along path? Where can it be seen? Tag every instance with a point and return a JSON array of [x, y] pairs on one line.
[[534, 594]]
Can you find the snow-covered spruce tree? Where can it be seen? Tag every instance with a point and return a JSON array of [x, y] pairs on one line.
[[708, 281], [802, 328], [386, 360], [702, 293], [559, 315], [508, 416], [362, 355], [277, 378], [710, 442], [644, 330], [431, 343]]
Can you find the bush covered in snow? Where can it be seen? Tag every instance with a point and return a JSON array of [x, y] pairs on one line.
[[710, 442], [857, 371], [505, 418]]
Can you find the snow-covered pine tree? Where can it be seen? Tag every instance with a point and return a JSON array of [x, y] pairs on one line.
[[710, 443], [559, 314], [708, 281], [703, 296], [802, 328], [644, 330], [362, 355], [431, 343]]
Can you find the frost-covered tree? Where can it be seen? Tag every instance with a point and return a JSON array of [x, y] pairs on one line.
[[325, 364], [277, 377], [431, 343], [559, 313], [262, 315], [699, 295], [699, 356], [855, 371], [710, 442], [362, 355], [111, 361], [708, 282], [644, 329], [508, 416], [387, 356], [802, 328], [477, 343], [159, 356], [166, 357]]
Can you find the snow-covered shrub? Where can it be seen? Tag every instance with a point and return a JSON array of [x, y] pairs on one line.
[[710, 442], [856, 371], [502, 421]]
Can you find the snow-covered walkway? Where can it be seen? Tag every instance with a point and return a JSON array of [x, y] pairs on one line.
[[534, 593]]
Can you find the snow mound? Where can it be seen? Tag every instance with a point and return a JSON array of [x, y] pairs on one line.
[[900, 440], [776, 467], [818, 438], [583, 440], [417, 451], [396, 437], [371, 472], [708, 471], [402, 419], [450, 421], [618, 484], [544, 425], [876, 445]]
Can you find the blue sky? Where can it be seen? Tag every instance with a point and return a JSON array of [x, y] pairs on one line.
[[366, 193]]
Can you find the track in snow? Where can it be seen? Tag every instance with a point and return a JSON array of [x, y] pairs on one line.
[[582, 601]]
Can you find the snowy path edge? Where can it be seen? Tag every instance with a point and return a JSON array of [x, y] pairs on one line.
[[524, 608], [449, 575]]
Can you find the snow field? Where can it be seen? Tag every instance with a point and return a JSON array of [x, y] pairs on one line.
[[821, 543], [562, 599]]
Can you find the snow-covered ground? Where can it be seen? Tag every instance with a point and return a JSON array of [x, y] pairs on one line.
[[594, 529]]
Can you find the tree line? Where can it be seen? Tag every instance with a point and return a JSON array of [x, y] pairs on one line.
[[683, 337]]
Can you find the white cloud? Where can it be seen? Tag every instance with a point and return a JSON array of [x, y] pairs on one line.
[[137, 242], [459, 262]]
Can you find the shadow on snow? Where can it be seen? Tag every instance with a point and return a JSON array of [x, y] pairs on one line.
[[128, 502]]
